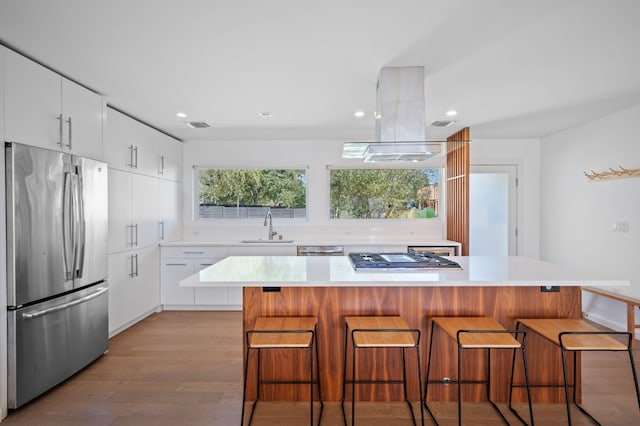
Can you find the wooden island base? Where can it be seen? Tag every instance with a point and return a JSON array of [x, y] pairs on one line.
[[417, 305]]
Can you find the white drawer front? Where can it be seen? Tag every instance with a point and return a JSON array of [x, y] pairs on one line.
[[195, 252]]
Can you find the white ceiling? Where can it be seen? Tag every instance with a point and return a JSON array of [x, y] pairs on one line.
[[510, 68]]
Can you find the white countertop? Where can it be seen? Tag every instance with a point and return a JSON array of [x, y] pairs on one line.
[[329, 271]]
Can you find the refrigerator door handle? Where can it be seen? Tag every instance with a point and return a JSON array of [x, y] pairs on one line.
[[69, 145], [64, 306], [68, 225], [60, 128], [80, 234]]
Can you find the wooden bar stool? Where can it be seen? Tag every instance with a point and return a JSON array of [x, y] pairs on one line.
[[478, 333], [283, 333], [577, 335], [389, 332]]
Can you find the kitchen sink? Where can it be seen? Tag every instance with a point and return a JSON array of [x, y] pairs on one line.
[[266, 241]]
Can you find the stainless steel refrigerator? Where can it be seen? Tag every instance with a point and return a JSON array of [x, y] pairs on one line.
[[56, 267]]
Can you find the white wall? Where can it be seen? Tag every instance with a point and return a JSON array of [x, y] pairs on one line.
[[578, 215]]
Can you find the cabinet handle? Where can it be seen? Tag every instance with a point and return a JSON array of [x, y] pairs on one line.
[[206, 264], [136, 157], [136, 264], [70, 133], [161, 170], [133, 235], [130, 156], [130, 241], [162, 230], [193, 252], [131, 266], [175, 264], [60, 128]]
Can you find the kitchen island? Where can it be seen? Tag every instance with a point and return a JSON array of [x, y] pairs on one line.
[[506, 288]]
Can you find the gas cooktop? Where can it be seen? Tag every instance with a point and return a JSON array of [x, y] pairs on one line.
[[410, 261]]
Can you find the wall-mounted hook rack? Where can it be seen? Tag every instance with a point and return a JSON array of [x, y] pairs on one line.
[[619, 173]]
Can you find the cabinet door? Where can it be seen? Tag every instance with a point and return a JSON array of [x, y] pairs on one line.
[[120, 136], [146, 282], [119, 211], [171, 272], [32, 103], [170, 210], [82, 112], [144, 210], [235, 296], [120, 304], [170, 158], [146, 155], [209, 295]]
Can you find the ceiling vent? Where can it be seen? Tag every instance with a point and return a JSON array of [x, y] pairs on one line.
[[442, 123], [198, 124], [400, 120]]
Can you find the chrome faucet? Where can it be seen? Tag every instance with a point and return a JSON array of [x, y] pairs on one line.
[[269, 219]]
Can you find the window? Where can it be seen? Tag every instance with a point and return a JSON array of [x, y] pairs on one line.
[[250, 193], [384, 193]]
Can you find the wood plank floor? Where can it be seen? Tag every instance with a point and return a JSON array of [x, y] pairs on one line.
[[185, 368]]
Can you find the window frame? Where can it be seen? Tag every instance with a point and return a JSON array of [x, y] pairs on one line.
[[196, 194], [441, 195]]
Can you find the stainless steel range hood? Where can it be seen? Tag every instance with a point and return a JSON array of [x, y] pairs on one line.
[[400, 120]]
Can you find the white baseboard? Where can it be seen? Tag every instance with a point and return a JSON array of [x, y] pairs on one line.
[[201, 307], [614, 325]]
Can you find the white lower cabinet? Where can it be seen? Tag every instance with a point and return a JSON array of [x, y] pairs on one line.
[[180, 262], [134, 290]]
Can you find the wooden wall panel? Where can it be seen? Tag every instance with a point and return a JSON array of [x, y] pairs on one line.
[[417, 305], [457, 181]]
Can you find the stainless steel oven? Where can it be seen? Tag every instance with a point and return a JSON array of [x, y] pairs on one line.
[[320, 250], [437, 250]]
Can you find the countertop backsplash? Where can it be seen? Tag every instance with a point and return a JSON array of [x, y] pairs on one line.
[[338, 232]]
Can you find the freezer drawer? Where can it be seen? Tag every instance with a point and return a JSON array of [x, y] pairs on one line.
[[51, 341]]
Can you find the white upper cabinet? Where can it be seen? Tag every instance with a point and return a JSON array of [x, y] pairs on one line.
[[83, 113], [33, 100], [122, 135], [135, 147], [170, 158], [44, 109]]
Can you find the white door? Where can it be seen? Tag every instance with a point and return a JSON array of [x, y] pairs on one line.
[[493, 210]]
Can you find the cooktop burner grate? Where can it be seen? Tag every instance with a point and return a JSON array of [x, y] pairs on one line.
[[411, 261]]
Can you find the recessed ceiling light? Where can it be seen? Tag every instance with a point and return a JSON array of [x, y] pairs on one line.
[[452, 113], [359, 114], [181, 114], [266, 114]]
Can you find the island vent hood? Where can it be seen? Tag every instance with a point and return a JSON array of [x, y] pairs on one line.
[[400, 120]]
